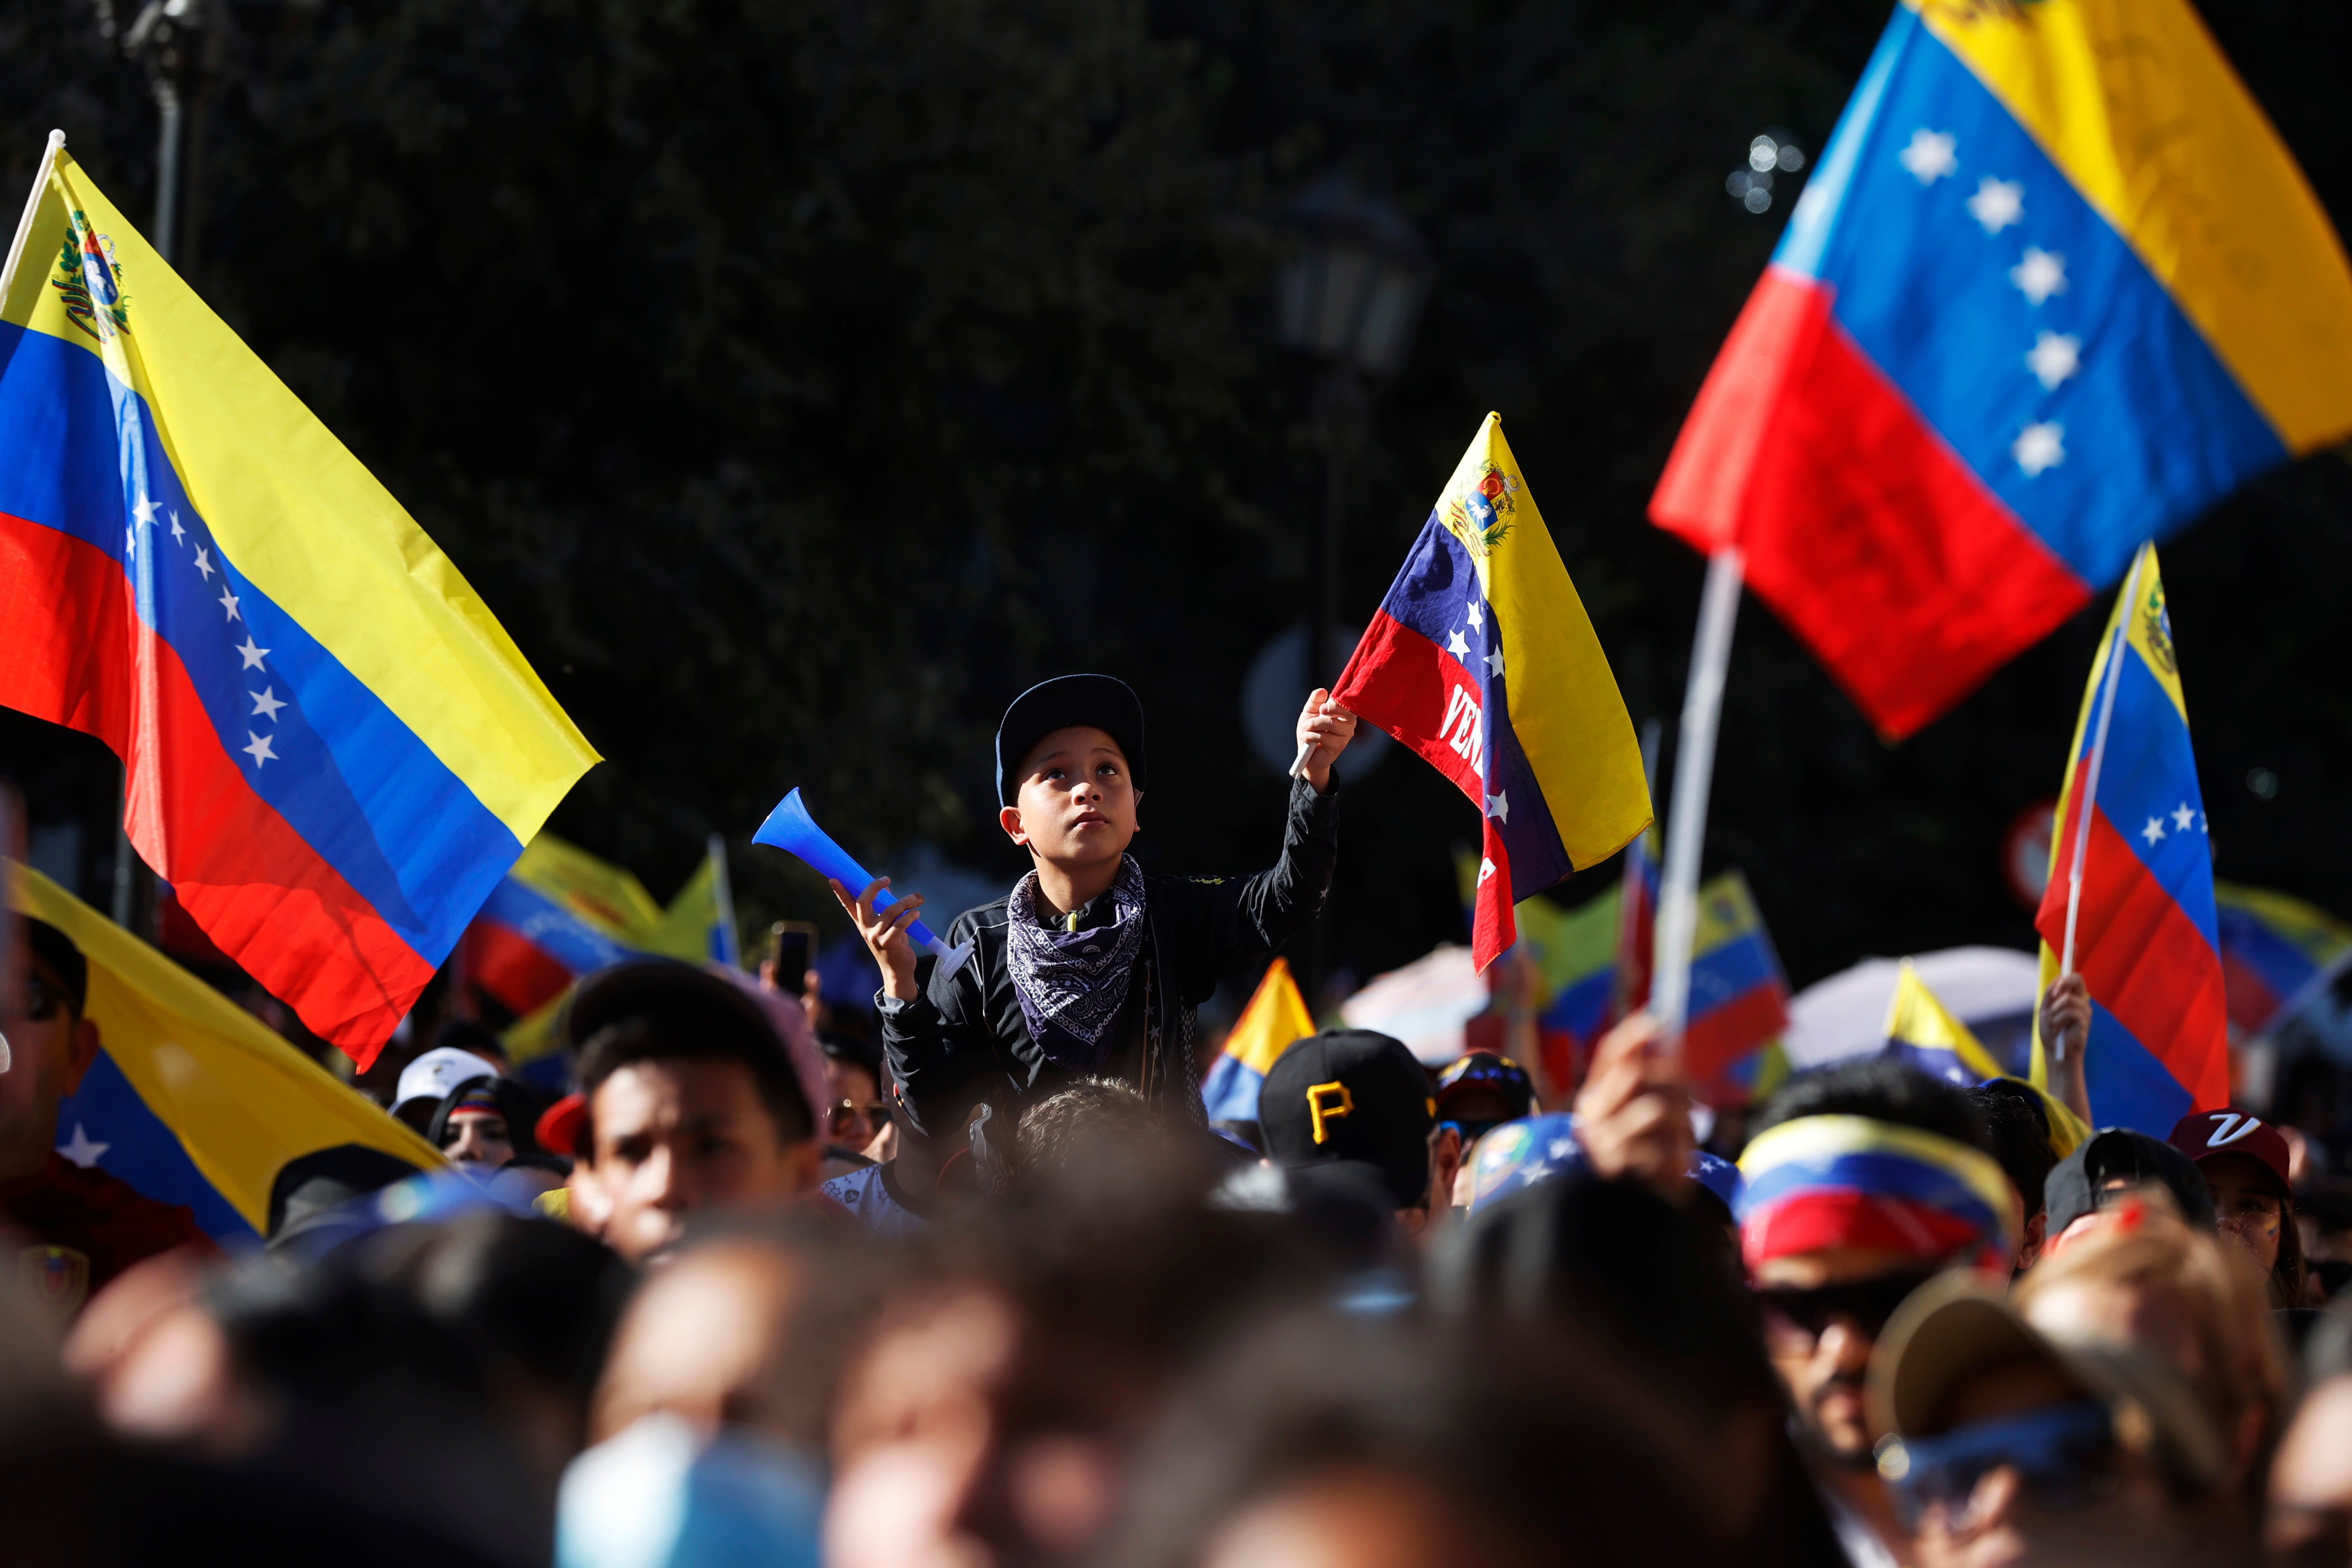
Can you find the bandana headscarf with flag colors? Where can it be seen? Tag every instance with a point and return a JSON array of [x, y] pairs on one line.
[[1853, 1180]]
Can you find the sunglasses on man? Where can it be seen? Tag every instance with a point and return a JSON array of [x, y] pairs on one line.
[[2065, 1457], [1866, 1304]]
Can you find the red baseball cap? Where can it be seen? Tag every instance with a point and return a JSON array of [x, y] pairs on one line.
[[2202, 1134], [561, 1124]]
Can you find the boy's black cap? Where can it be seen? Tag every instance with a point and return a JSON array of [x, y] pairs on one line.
[[1104, 702], [1352, 1095], [2073, 1189]]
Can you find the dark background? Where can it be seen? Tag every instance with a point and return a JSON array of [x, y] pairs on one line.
[[799, 381]]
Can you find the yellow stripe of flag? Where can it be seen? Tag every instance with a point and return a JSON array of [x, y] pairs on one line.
[[241, 1101], [2136, 104]]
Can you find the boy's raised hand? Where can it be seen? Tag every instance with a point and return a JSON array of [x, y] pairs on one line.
[[1329, 728], [885, 932]]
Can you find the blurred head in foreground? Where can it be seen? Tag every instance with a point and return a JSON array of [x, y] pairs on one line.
[[993, 1412], [2142, 1279], [1650, 1290], [2309, 1523], [2009, 1445], [1331, 1443], [714, 1404]]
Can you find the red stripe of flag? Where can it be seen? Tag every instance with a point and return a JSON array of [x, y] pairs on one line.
[[230, 857], [1907, 578], [1403, 682], [511, 967], [1407, 679]]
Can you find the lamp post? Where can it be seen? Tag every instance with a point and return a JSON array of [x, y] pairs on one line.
[[180, 43], [1350, 297]]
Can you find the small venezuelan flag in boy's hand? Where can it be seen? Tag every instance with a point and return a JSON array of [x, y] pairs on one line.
[[335, 751], [1483, 660]]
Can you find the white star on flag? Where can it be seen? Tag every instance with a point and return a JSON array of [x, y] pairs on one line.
[[2153, 831], [2040, 446], [179, 534], [1477, 616], [2182, 817], [253, 656], [204, 562], [1563, 1147], [267, 702], [228, 601], [2055, 356], [129, 540], [1498, 807], [259, 750], [1455, 646], [83, 1150], [1494, 662], [1997, 204], [1931, 155], [1485, 870], [2042, 274], [144, 511]]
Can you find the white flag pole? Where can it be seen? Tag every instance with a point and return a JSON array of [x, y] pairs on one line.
[[1629, 935], [1694, 774], [32, 205], [2087, 795]]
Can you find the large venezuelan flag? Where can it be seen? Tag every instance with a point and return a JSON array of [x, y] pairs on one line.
[[191, 1100], [2054, 289], [335, 751], [1481, 658], [2146, 938]]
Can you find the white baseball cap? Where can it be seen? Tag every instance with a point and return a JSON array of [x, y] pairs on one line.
[[436, 1072]]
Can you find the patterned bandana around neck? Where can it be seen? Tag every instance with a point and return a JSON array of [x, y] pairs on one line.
[[1072, 984]]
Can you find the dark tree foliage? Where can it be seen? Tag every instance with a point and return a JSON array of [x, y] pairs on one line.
[[797, 381]]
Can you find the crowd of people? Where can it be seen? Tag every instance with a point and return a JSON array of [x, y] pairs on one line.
[[985, 1287]]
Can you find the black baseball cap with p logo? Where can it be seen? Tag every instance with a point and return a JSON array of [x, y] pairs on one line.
[[1350, 1095]]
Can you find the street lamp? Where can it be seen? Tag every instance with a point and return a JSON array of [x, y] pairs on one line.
[[1351, 292], [1350, 296], [180, 43]]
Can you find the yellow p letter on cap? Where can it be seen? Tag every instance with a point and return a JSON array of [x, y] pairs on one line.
[[1320, 1112]]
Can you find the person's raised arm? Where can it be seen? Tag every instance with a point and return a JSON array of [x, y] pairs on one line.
[[2065, 1038], [1328, 728], [1230, 925], [927, 1037], [884, 932]]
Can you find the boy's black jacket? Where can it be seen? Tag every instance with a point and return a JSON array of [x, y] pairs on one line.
[[963, 1040]]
